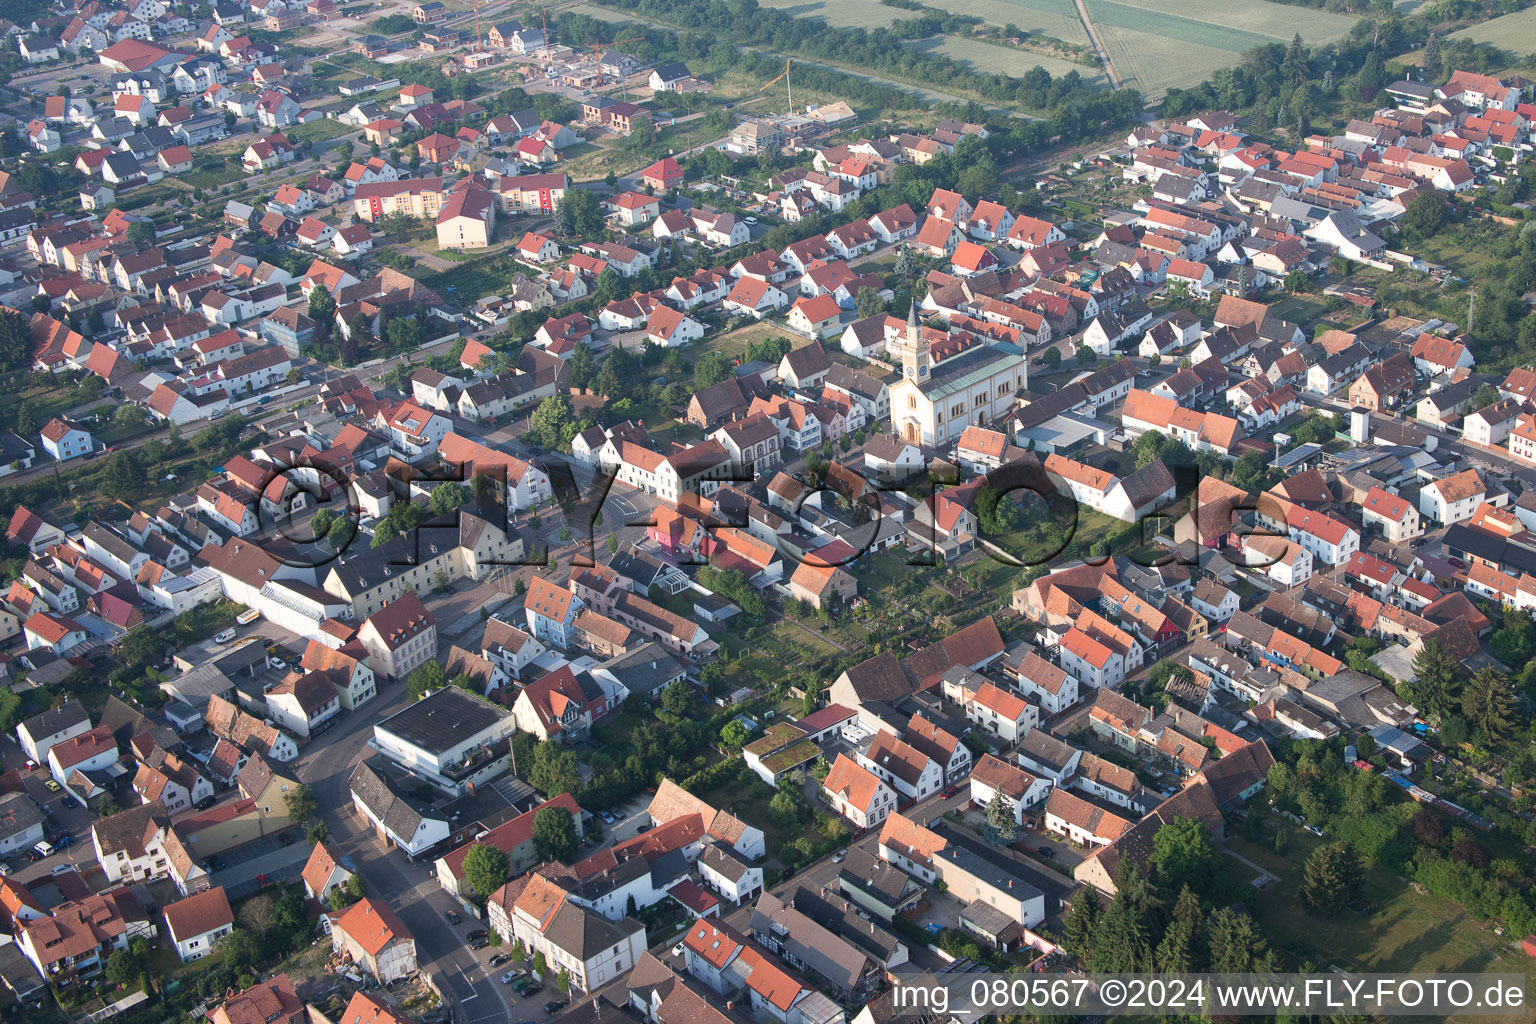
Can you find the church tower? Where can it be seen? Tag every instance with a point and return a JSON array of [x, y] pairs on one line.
[[914, 350]]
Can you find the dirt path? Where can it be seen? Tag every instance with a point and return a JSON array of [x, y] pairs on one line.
[[1115, 81]]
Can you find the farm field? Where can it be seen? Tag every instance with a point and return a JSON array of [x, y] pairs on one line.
[[1005, 60], [1156, 46], [1513, 32], [843, 13]]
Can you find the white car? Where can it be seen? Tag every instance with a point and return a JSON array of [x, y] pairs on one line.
[[225, 637]]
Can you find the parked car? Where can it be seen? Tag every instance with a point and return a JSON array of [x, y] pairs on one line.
[[1046, 852], [553, 1005], [51, 786], [224, 637], [480, 943], [478, 933], [839, 856], [454, 918], [509, 977], [949, 792], [607, 818], [499, 959]]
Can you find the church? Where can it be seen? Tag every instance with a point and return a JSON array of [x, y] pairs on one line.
[[949, 385]]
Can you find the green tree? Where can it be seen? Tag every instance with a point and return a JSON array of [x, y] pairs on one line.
[[1434, 687], [1489, 703], [553, 423], [1083, 923], [1425, 214], [563, 981], [15, 340], [1182, 948], [301, 804], [1052, 358], [1331, 879], [677, 697], [1432, 64], [1086, 356], [322, 308], [906, 263], [868, 303], [1486, 395], [428, 677], [1237, 946], [734, 735], [26, 420], [446, 497], [142, 232], [1183, 857], [485, 870], [317, 833], [711, 369], [1001, 824], [554, 834], [321, 522], [239, 950], [123, 968]]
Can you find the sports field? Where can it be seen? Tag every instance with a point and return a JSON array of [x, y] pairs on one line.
[[1513, 32], [1158, 44]]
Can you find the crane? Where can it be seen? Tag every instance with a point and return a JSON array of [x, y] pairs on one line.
[[789, 89]]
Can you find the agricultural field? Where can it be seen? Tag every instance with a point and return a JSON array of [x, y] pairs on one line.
[[843, 13], [1513, 32], [989, 57], [1156, 46]]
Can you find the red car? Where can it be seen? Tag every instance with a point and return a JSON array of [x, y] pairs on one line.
[[951, 791]]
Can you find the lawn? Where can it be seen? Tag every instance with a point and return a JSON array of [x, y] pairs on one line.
[[319, 130], [843, 13], [1407, 932]]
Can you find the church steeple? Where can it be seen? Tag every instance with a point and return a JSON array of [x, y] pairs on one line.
[[914, 350]]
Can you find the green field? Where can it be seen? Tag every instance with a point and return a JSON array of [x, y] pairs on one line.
[[843, 13], [1005, 60], [1513, 32], [1156, 46], [1408, 931]]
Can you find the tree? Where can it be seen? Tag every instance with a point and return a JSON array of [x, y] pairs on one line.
[[1332, 878], [1489, 703], [1237, 946], [1295, 65], [1432, 64], [322, 309], [1001, 823], [563, 981], [1083, 922], [1182, 856], [677, 697], [734, 735], [446, 497], [128, 416], [553, 423], [301, 804], [554, 834], [1296, 281], [1434, 687], [15, 340], [485, 869], [239, 950], [610, 286], [868, 303], [1052, 358], [906, 263], [1183, 947], [428, 677], [124, 968], [711, 369], [317, 833], [321, 522], [1485, 396], [1425, 214], [142, 232], [26, 419]]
